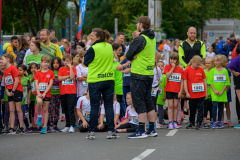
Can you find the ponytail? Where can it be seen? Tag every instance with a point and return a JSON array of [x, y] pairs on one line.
[[104, 35]]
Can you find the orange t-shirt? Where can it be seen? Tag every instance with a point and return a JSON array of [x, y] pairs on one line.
[[9, 78], [160, 47], [174, 81], [43, 81], [195, 84], [68, 86]]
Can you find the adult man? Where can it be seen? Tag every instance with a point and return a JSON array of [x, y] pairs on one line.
[[215, 46], [135, 34], [52, 34], [12, 49], [142, 54], [232, 42], [48, 48], [191, 47], [120, 40], [223, 47]]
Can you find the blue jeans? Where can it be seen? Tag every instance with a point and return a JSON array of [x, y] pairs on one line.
[[106, 88], [219, 106]]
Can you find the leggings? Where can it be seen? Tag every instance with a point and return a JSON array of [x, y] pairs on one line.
[[207, 107], [31, 110], [55, 99], [219, 106], [161, 113], [25, 120], [129, 127]]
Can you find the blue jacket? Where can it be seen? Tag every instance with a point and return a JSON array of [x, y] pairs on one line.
[[220, 47]]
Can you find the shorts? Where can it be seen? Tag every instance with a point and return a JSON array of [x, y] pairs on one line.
[[17, 97], [236, 82], [171, 95], [47, 99]]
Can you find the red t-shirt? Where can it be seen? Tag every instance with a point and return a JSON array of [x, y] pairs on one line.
[[195, 84], [67, 86], [9, 78], [174, 81], [43, 81]]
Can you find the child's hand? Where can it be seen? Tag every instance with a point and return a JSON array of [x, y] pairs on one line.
[[40, 95], [43, 95], [85, 124], [220, 93], [173, 65], [179, 95], [28, 101], [188, 95], [100, 126], [69, 65], [2, 101], [216, 92], [128, 62], [117, 126], [164, 98]]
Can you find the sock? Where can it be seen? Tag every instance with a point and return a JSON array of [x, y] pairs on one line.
[[222, 121], [39, 116], [170, 122], [151, 126], [229, 120], [141, 127], [174, 121]]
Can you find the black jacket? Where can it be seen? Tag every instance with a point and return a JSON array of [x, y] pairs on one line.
[[21, 55]]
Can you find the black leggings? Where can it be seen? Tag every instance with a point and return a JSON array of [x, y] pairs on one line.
[[31, 110], [129, 127], [207, 107]]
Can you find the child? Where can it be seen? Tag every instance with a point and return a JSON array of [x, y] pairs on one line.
[[219, 81], [83, 111], [210, 52], [195, 87], [117, 48], [130, 124], [75, 55], [229, 96], [66, 76], [14, 91], [161, 95], [207, 101], [43, 83], [33, 67], [66, 46], [22, 69], [173, 88], [163, 59], [55, 97], [116, 111]]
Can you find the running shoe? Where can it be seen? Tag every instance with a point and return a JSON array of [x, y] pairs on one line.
[[112, 135], [11, 131], [5, 130], [205, 126], [20, 131], [170, 126], [38, 130], [175, 126], [76, 125], [39, 121], [56, 129], [184, 121], [138, 134], [91, 135], [225, 122], [33, 129], [159, 126], [191, 126], [230, 124], [179, 124], [28, 130], [237, 126], [152, 133], [220, 126], [48, 129], [214, 125], [71, 130], [66, 129], [198, 126], [63, 119], [44, 130]]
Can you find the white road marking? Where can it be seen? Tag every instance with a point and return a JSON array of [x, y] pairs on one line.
[[172, 132], [144, 154]]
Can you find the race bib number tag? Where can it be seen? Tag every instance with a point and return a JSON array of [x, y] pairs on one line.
[[197, 87], [160, 91], [154, 92], [134, 119], [32, 86], [86, 114], [55, 88], [126, 75], [85, 84], [43, 86], [175, 77], [24, 93], [67, 82], [219, 77], [8, 80]]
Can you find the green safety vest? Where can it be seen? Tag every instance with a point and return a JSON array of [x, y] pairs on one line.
[[144, 64], [101, 68]]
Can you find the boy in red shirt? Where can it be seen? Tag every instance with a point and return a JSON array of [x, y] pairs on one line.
[[68, 87], [14, 91], [173, 88], [43, 83], [196, 90]]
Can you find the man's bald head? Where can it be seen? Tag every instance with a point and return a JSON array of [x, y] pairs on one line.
[[192, 33]]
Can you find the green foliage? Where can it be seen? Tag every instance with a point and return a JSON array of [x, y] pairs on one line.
[[131, 27]]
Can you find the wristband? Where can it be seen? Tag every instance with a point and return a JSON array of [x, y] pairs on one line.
[[13, 91], [123, 65]]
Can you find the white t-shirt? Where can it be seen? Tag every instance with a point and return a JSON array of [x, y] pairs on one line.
[[166, 48], [84, 104], [131, 115], [81, 85], [116, 109], [157, 76], [27, 53], [210, 54]]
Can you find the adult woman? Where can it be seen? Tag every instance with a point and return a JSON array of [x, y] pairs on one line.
[[22, 49], [176, 47]]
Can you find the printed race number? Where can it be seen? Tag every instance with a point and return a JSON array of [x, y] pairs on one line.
[[154, 92], [175, 77], [67, 82], [197, 87], [8, 80], [219, 77], [43, 86]]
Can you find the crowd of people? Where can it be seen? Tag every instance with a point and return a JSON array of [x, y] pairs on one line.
[[103, 84]]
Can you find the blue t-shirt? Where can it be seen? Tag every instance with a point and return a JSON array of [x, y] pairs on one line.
[[126, 76]]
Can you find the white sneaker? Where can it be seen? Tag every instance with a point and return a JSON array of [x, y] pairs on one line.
[[66, 129], [71, 130], [184, 121]]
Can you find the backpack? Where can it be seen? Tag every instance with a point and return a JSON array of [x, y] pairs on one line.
[[225, 46]]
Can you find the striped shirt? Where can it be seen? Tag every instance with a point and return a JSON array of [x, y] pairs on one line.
[[51, 51]]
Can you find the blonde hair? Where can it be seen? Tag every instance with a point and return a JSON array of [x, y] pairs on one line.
[[210, 48], [195, 59], [115, 57], [81, 55], [67, 56], [129, 93], [10, 57], [44, 58], [219, 57], [224, 58], [211, 60], [174, 56]]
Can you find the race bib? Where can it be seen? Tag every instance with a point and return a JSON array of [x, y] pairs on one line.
[[55, 88], [197, 87], [175, 77], [67, 82], [134, 119], [154, 92], [126, 75], [219, 77], [24, 93], [8, 80], [160, 91], [43, 86], [85, 84], [86, 114], [32, 86]]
